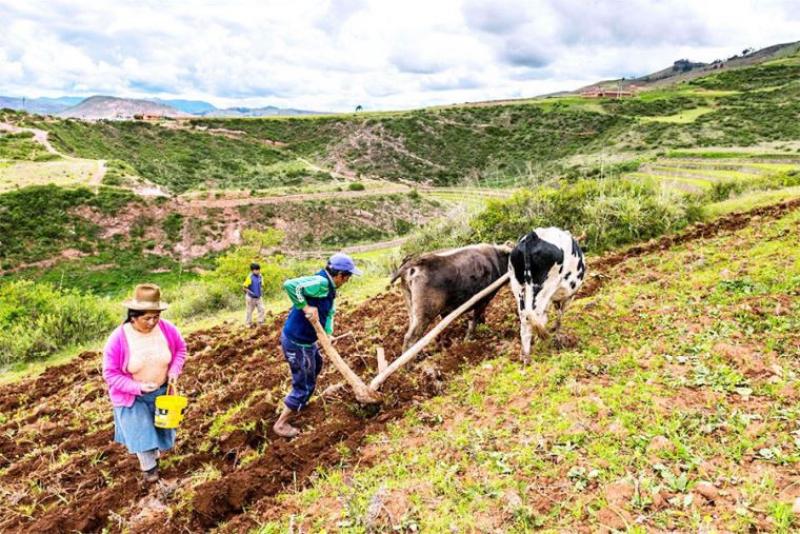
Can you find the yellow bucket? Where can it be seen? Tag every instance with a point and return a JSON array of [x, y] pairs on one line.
[[169, 408]]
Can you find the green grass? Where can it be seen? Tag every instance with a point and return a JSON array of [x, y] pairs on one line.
[[682, 117], [718, 176], [112, 272], [664, 105], [748, 79], [60, 172], [54, 227], [22, 147], [709, 175], [681, 182], [733, 154], [375, 264], [176, 159], [748, 201], [524, 448]]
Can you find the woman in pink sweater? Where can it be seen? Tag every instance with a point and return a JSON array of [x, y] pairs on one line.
[[141, 357]]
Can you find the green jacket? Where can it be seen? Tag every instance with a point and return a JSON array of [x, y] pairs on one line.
[[314, 286]]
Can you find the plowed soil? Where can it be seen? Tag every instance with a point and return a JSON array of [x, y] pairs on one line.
[[60, 471]]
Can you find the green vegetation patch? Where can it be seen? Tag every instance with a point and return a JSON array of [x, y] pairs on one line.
[[177, 159], [39, 222], [748, 79], [22, 147], [610, 212], [652, 107], [37, 320]]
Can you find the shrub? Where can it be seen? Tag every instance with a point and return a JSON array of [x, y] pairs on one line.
[[725, 189], [611, 212], [356, 186], [453, 230], [201, 297], [37, 320], [24, 237], [172, 226], [402, 226]]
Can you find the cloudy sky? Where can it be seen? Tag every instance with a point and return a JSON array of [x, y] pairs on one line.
[[382, 54]]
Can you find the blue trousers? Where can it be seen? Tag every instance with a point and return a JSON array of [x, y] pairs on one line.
[[305, 364]]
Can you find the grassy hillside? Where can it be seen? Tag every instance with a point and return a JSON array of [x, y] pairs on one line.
[[501, 143], [662, 415], [174, 158], [115, 237], [441, 146], [691, 428], [21, 147], [39, 222]]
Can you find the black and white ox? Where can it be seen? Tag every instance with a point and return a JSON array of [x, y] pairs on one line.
[[546, 268], [436, 283]]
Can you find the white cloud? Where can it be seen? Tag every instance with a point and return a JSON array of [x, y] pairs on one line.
[[334, 54]]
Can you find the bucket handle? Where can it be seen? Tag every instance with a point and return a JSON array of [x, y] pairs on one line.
[[172, 389]]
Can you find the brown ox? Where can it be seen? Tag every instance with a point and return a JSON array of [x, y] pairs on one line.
[[436, 283]]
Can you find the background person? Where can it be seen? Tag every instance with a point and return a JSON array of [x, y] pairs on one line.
[[139, 359], [253, 290], [312, 297]]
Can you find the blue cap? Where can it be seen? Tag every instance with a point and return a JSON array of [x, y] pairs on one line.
[[342, 262]]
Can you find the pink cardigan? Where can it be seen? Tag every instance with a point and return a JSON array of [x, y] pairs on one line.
[[122, 388]]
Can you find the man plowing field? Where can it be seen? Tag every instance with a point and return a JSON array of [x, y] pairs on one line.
[[313, 300]]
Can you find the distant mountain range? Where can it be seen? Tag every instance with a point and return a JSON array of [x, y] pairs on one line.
[[111, 107], [44, 106]]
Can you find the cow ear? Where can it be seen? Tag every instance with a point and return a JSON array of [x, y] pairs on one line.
[[509, 244]]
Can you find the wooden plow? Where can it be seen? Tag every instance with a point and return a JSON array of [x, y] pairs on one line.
[[370, 394]]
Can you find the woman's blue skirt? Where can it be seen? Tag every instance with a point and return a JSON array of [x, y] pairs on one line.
[[134, 426]]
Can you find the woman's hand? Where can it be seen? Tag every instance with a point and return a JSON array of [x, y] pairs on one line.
[[148, 387]]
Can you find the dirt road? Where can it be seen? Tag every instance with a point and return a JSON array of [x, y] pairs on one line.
[[40, 136], [303, 197], [353, 249]]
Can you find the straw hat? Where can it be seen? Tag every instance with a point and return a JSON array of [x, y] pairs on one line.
[[146, 297]]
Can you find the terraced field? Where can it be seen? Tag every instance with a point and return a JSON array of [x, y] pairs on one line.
[[471, 198], [702, 172]]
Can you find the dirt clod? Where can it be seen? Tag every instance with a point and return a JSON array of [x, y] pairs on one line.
[[707, 490], [613, 519], [619, 493], [659, 444]]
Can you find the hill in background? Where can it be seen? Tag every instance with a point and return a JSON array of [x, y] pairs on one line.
[[42, 106], [112, 107], [109, 107]]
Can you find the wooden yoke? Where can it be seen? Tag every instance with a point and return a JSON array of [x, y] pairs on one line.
[[362, 392], [408, 355]]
